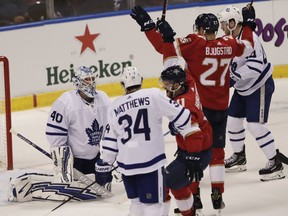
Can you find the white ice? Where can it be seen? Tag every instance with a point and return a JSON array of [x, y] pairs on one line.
[[245, 194]]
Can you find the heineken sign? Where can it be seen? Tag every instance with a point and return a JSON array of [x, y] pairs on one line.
[[57, 75]]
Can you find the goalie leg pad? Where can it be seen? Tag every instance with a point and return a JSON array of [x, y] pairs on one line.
[[63, 163], [20, 189], [40, 186]]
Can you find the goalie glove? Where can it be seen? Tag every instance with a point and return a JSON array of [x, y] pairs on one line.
[[142, 18], [103, 174], [63, 163]]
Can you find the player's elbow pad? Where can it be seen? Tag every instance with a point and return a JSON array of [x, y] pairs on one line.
[[194, 142], [189, 130]]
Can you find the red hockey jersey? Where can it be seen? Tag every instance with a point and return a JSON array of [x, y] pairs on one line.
[[207, 61]]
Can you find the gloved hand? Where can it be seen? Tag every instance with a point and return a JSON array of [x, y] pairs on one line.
[[103, 174], [194, 167], [233, 74], [142, 18], [173, 130], [166, 30], [249, 15]]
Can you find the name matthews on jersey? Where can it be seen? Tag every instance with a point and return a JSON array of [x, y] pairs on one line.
[[132, 104], [218, 51]]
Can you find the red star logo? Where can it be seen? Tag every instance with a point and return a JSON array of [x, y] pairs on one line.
[[87, 40]]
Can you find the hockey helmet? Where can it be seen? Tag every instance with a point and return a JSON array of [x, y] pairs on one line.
[[131, 77], [170, 76], [173, 74], [230, 13], [208, 22], [85, 81]]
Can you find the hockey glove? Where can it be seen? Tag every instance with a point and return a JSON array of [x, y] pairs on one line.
[[249, 15], [142, 18], [173, 130], [233, 74], [103, 174], [193, 165], [166, 30]]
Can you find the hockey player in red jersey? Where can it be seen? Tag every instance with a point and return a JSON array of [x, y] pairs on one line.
[[195, 153], [207, 61]]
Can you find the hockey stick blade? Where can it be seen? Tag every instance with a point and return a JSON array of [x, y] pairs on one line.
[[282, 157]]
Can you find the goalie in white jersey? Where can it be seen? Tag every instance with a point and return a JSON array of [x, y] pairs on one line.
[[135, 140], [254, 86], [76, 124]]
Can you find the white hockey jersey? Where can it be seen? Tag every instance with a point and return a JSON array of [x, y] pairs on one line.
[[135, 138], [253, 71], [75, 123]]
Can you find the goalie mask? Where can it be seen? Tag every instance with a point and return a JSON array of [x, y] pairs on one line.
[[172, 79], [131, 77], [230, 13], [85, 81]]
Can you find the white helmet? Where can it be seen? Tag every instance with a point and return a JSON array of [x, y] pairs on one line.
[[85, 81], [131, 77], [229, 13]]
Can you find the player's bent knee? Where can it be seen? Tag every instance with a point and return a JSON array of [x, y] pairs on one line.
[[257, 129], [235, 124]]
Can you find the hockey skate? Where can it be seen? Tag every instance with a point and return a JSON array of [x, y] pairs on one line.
[[178, 212], [273, 170], [197, 204], [237, 162], [217, 201]]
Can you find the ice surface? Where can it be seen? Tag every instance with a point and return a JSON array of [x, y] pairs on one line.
[[245, 194]]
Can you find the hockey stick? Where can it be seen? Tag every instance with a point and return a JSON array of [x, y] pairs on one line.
[[165, 3], [77, 174], [282, 157], [67, 200]]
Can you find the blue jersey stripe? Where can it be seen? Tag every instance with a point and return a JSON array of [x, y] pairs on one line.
[[142, 165], [57, 127]]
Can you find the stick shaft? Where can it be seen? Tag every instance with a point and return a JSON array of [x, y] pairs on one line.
[[30, 143], [165, 3]]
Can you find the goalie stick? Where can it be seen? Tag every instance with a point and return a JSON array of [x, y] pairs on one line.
[[70, 198], [77, 174]]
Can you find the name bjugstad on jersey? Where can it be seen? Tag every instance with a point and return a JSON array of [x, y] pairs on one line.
[[218, 51]]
